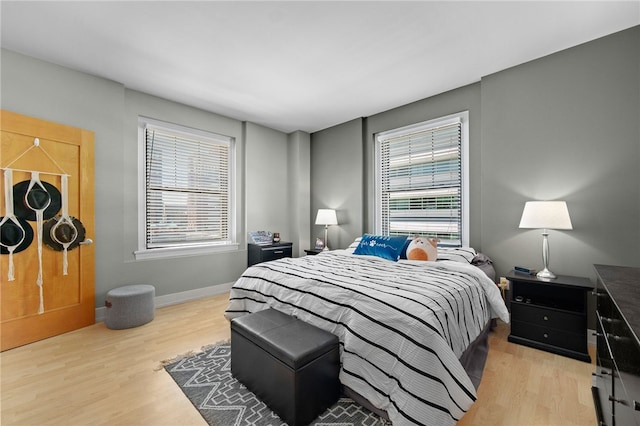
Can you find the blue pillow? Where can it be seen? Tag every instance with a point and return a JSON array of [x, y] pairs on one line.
[[384, 246], [403, 252]]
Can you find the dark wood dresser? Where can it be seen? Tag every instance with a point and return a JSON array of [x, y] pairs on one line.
[[616, 381]]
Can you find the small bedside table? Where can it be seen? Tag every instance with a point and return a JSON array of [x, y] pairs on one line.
[[265, 253], [312, 252], [550, 315]]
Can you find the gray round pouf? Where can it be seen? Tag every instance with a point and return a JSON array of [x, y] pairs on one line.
[[130, 306]]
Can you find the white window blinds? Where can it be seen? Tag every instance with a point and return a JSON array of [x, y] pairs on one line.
[[187, 188], [420, 181]]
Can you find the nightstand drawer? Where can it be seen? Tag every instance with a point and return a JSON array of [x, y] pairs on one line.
[[552, 318], [265, 253], [276, 253], [550, 336]]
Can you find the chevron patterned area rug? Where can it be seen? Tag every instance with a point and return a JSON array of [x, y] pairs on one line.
[[206, 380]]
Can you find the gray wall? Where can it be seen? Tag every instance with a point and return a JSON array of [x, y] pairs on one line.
[[342, 162], [267, 195], [337, 173], [561, 127], [168, 275], [44, 90], [299, 187], [466, 98], [277, 196], [565, 127]]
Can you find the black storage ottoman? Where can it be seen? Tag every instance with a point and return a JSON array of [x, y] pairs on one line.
[[290, 365]]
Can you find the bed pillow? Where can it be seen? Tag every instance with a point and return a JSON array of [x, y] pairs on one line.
[[355, 243], [483, 262], [457, 254], [403, 252], [384, 246]]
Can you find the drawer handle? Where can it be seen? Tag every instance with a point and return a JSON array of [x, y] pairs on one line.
[[608, 320], [278, 252], [546, 318], [617, 400], [546, 336], [614, 337]]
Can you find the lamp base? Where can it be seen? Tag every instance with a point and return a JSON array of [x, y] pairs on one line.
[[546, 274], [326, 238]]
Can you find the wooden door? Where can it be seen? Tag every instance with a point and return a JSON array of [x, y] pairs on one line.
[[68, 300]]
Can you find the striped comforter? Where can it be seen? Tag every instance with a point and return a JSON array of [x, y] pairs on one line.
[[402, 325]]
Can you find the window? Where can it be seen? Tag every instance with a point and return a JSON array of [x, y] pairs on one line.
[[421, 180], [187, 186]]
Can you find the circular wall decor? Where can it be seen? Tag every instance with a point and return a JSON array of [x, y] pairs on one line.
[[11, 233], [37, 198], [62, 233]]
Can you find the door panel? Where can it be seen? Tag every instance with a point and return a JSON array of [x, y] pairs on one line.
[[69, 300]]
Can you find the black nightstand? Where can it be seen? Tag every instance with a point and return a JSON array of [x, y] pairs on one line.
[[265, 253], [550, 314], [312, 252]]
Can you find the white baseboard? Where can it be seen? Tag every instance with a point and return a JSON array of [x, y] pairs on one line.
[[176, 298]]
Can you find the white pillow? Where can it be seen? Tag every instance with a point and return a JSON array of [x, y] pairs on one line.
[[457, 254], [356, 243]]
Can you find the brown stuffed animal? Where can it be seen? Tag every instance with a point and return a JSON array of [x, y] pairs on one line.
[[422, 248]]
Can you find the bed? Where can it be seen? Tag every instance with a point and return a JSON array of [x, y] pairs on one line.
[[405, 327]]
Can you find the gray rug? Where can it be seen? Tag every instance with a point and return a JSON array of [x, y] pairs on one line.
[[206, 380]]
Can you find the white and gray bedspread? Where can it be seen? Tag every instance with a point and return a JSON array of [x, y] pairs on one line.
[[402, 325]]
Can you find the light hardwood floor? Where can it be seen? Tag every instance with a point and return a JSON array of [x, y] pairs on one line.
[[96, 376]]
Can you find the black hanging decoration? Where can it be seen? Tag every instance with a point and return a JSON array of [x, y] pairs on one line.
[[24, 202]]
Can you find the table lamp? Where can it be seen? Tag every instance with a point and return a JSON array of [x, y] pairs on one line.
[[326, 217], [545, 215]]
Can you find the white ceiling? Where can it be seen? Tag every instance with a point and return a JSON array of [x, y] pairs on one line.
[[302, 65]]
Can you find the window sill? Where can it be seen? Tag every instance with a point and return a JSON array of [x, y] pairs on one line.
[[169, 252]]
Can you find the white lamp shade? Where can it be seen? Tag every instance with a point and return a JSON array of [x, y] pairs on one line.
[[545, 215], [326, 217]]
